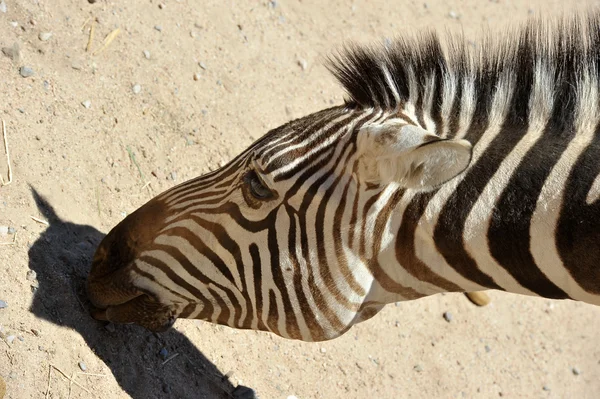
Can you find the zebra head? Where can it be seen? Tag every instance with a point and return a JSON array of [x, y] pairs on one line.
[[283, 238]]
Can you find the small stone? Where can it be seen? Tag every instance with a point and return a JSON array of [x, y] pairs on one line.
[[161, 6], [488, 349], [11, 230], [45, 36], [173, 175], [323, 350], [14, 52], [453, 15], [158, 28], [546, 388], [10, 339], [202, 65], [166, 388], [14, 24], [3, 230], [26, 71], [197, 76], [31, 275], [35, 332], [20, 338], [76, 66], [303, 64], [146, 54], [575, 371], [418, 368], [110, 327], [86, 103], [136, 89], [3, 304], [92, 1], [3, 7], [447, 316], [82, 366], [273, 4], [163, 353]]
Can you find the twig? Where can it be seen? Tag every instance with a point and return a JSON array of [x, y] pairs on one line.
[[109, 38], [70, 385], [137, 165], [70, 379], [91, 374], [40, 220], [88, 48], [10, 175], [169, 359], [85, 23], [98, 200], [49, 374]]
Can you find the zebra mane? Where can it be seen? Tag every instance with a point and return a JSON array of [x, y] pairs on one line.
[[542, 62]]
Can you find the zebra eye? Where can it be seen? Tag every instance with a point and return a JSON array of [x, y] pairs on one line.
[[257, 187]]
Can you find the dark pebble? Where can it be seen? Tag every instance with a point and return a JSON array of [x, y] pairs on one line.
[[3, 304], [166, 388], [163, 353]]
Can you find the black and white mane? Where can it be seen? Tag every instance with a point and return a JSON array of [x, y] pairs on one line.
[[554, 63]]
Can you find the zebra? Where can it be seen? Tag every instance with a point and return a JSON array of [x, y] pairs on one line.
[[448, 168]]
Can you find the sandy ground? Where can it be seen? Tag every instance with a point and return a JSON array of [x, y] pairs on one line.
[[258, 64]]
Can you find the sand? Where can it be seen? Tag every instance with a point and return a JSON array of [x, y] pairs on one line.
[[181, 89]]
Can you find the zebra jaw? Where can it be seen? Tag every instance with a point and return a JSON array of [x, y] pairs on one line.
[[402, 153]]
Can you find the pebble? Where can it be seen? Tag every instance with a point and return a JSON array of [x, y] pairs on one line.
[[31, 275], [13, 52], [323, 350], [35, 332], [26, 71], [303, 64], [10, 339], [3, 304], [546, 388], [166, 388], [146, 54], [136, 89], [11, 230], [158, 28], [86, 103], [163, 353], [575, 371], [447, 316], [202, 65], [479, 298], [82, 366], [3, 230], [173, 175], [197, 76], [488, 349], [161, 6], [45, 36], [110, 327], [453, 15], [14, 24], [3, 7], [418, 368]]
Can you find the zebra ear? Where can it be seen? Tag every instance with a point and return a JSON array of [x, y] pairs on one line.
[[409, 155]]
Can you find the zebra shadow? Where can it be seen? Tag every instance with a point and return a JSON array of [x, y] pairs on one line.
[[61, 258]]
